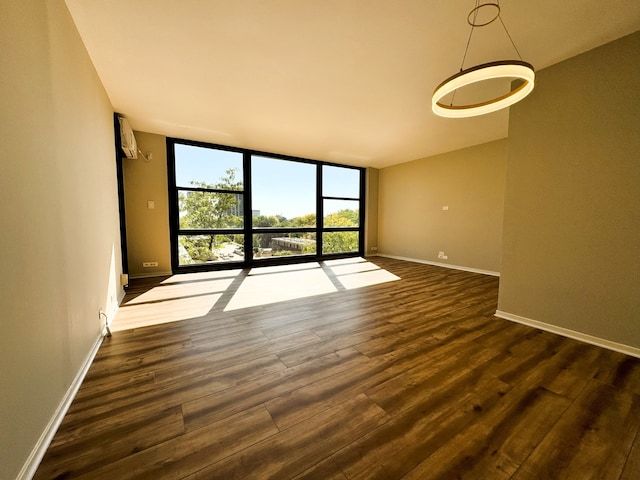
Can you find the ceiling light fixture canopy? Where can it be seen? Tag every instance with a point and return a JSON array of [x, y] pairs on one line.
[[516, 69]]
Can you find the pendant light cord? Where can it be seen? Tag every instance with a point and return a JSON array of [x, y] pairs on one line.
[[473, 25], [475, 16], [509, 35], [464, 57]]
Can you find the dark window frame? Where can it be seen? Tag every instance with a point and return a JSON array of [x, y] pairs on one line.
[[248, 230]]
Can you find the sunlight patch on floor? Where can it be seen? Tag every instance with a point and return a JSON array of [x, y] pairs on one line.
[[194, 295], [283, 268], [359, 267], [182, 290], [202, 276], [179, 297], [366, 278], [358, 272], [267, 285], [146, 314]]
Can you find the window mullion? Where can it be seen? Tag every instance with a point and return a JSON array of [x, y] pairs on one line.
[[319, 211], [248, 209]]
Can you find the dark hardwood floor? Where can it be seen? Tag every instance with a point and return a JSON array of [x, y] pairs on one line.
[[352, 369]]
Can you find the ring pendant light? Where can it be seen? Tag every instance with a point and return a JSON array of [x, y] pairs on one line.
[[516, 69]]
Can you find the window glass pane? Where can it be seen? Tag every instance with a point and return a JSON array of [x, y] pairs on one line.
[[340, 182], [199, 249], [341, 213], [210, 202], [284, 244], [210, 210], [208, 168], [283, 193], [339, 242]]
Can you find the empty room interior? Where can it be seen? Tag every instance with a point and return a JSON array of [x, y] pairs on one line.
[[321, 240]]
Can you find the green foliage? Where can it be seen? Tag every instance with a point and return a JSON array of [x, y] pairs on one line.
[[278, 221], [337, 242], [262, 240], [308, 220], [282, 253], [198, 248], [218, 210], [309, 249], [343, 218], [209, 210], [262, 221]]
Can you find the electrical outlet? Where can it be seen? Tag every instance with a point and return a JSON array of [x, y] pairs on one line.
[[373, 249], [149, 264]]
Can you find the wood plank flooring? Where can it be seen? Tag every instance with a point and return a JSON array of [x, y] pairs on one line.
[[385, 370]]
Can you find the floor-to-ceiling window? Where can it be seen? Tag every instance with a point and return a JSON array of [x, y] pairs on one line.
[[341, 219], [232, 206], [208, 197], [283, 208]]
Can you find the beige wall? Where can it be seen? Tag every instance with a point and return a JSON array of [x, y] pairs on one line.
[[59, 240], [147, 229], [371, 212], [412, 223], [572, 219]]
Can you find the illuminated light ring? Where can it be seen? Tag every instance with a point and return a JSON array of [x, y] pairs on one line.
[[487, 71]]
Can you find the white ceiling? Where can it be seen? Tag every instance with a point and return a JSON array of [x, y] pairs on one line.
[[346, 81]]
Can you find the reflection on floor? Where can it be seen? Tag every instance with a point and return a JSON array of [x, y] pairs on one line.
[[193, 295]]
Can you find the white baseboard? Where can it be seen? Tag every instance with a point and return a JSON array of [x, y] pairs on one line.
[[445, 265], [150, 275], [37, 454], [114, 310], [565, 332], [123, 292]]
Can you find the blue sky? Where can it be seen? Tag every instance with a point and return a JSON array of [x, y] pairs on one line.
[[280, 187]]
